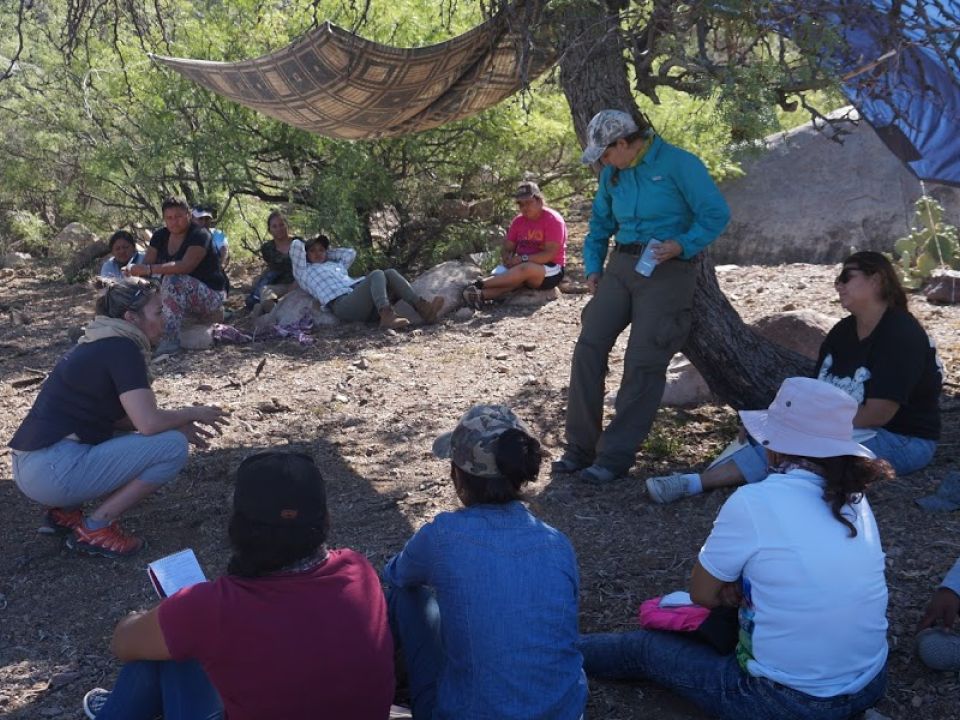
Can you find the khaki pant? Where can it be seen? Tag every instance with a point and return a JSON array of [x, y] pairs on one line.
[[372, 294], [658, 311]]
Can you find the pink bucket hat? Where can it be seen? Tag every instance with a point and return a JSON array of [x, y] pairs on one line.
[[809, 418]]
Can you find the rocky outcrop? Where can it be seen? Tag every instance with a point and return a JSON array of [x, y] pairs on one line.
[[811, 199]]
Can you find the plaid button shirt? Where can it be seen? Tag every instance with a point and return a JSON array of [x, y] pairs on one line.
[[325, 281]]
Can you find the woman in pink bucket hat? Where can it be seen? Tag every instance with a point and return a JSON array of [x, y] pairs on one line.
[[799, 554]]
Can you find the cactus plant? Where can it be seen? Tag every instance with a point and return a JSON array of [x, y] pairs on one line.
[[932, 243]]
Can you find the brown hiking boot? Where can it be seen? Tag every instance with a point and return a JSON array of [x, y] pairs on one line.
[[429, 310], [390, 321]]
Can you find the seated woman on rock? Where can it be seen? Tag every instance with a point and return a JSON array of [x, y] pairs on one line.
[[293, 630], [192, 281], [483, 601], [534, 251], [800, 555], [882, 357], [322, 272], [123, 252], [66, 452], [277, 280]]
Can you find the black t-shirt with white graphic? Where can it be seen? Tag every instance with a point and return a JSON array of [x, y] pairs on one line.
[[897, 362]]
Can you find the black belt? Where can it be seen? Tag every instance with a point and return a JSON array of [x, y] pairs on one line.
[[629, 248]]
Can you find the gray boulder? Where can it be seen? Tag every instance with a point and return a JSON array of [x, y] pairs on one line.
[[446, 280], [810, 199], [943, 287], [802, 331], [292, 308]]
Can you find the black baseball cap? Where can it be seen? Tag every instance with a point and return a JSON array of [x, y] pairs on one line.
[[284, 489]]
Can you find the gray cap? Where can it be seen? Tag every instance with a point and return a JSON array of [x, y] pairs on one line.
[[606, 127], [472, 444], [946, 498]]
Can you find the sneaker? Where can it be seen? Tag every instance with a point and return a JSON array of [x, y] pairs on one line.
[[58, 521], [598, 475], [473, 297], [94, 701], [566, 465], [668, 488], [939, 649], [110, 541]]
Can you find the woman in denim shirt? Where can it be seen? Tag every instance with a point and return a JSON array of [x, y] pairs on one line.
[[504, 583]]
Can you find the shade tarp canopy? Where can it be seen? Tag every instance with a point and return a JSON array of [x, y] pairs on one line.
[[901, 71], [337, 84]]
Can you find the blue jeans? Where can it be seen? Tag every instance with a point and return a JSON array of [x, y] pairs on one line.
[[147, 689], [69, 473], [415, 624], [714, 683], [905, 453]]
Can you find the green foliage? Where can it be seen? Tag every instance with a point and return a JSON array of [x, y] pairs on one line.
[[25, 232], [662, 443], [97, 133], [931, 244]]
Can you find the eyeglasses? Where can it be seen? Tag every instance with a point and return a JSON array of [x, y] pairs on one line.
[[846, 275]]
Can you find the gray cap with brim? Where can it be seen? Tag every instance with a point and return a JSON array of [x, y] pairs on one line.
[[605, 128]]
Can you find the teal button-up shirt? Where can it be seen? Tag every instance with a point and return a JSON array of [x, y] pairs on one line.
[[668, 195]]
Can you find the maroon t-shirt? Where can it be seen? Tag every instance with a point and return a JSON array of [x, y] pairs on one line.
[[314, 644]]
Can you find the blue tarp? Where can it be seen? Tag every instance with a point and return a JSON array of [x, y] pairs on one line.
[[895, 76]]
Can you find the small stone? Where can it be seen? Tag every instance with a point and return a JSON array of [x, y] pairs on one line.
[[527, 347], [788, 307], [502, 356], [362, 364], [464, 313], [204, 387], [487, 333], [341, 398]]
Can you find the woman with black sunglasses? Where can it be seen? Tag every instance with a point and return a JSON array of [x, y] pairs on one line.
[[95, 432], [882, 357]]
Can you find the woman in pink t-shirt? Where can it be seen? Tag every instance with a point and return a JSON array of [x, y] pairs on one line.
[[534, 251]]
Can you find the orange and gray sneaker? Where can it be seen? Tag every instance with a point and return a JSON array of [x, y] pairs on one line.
[[110, 541], [58, 521]]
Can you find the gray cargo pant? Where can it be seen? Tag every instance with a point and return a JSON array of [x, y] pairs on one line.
[[371, 295], [658, 311]]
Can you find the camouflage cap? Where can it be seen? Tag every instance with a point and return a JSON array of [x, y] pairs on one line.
[[606, 127], [471, 445]]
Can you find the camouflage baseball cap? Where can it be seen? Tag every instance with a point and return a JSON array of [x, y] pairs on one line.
[[472, 443], [606, 127]]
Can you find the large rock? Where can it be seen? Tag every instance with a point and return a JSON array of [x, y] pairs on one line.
[[685, 385], [810, 199], [446, 280], [76, 248], [292, 308], [529, 297], [802, 331], [197, 336], [943, 287]]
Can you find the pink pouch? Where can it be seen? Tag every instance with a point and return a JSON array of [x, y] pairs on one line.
[[686, 618]]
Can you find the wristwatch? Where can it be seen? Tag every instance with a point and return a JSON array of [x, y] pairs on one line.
[[524, 258]]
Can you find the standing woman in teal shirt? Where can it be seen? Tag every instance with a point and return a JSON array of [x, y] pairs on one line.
[[648, 190]]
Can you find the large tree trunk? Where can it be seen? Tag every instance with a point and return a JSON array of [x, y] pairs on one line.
[[741, 367]]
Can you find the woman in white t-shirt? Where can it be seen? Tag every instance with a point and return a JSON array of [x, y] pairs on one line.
[[800, 555]]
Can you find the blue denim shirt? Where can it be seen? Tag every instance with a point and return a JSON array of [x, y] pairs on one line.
[[668, 195], [507, 587]]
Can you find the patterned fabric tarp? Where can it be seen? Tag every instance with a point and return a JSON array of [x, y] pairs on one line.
[[337, 84]]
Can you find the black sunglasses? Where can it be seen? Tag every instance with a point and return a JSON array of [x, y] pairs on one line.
[[846, 274]]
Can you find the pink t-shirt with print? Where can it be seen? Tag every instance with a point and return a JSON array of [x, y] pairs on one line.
[[529, 236]]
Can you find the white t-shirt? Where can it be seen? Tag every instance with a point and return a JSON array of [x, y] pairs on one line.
[[813, 616]]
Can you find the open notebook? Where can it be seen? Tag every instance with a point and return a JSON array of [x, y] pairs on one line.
[[174, 572]]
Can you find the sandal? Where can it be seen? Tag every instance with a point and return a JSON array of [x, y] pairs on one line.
[[473, 297]]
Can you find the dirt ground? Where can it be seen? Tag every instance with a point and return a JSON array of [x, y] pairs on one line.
[[368, 405]]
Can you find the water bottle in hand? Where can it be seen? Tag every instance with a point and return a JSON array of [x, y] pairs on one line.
[[647, 262]]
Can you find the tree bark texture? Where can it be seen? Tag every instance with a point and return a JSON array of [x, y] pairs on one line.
[[741, 367]]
